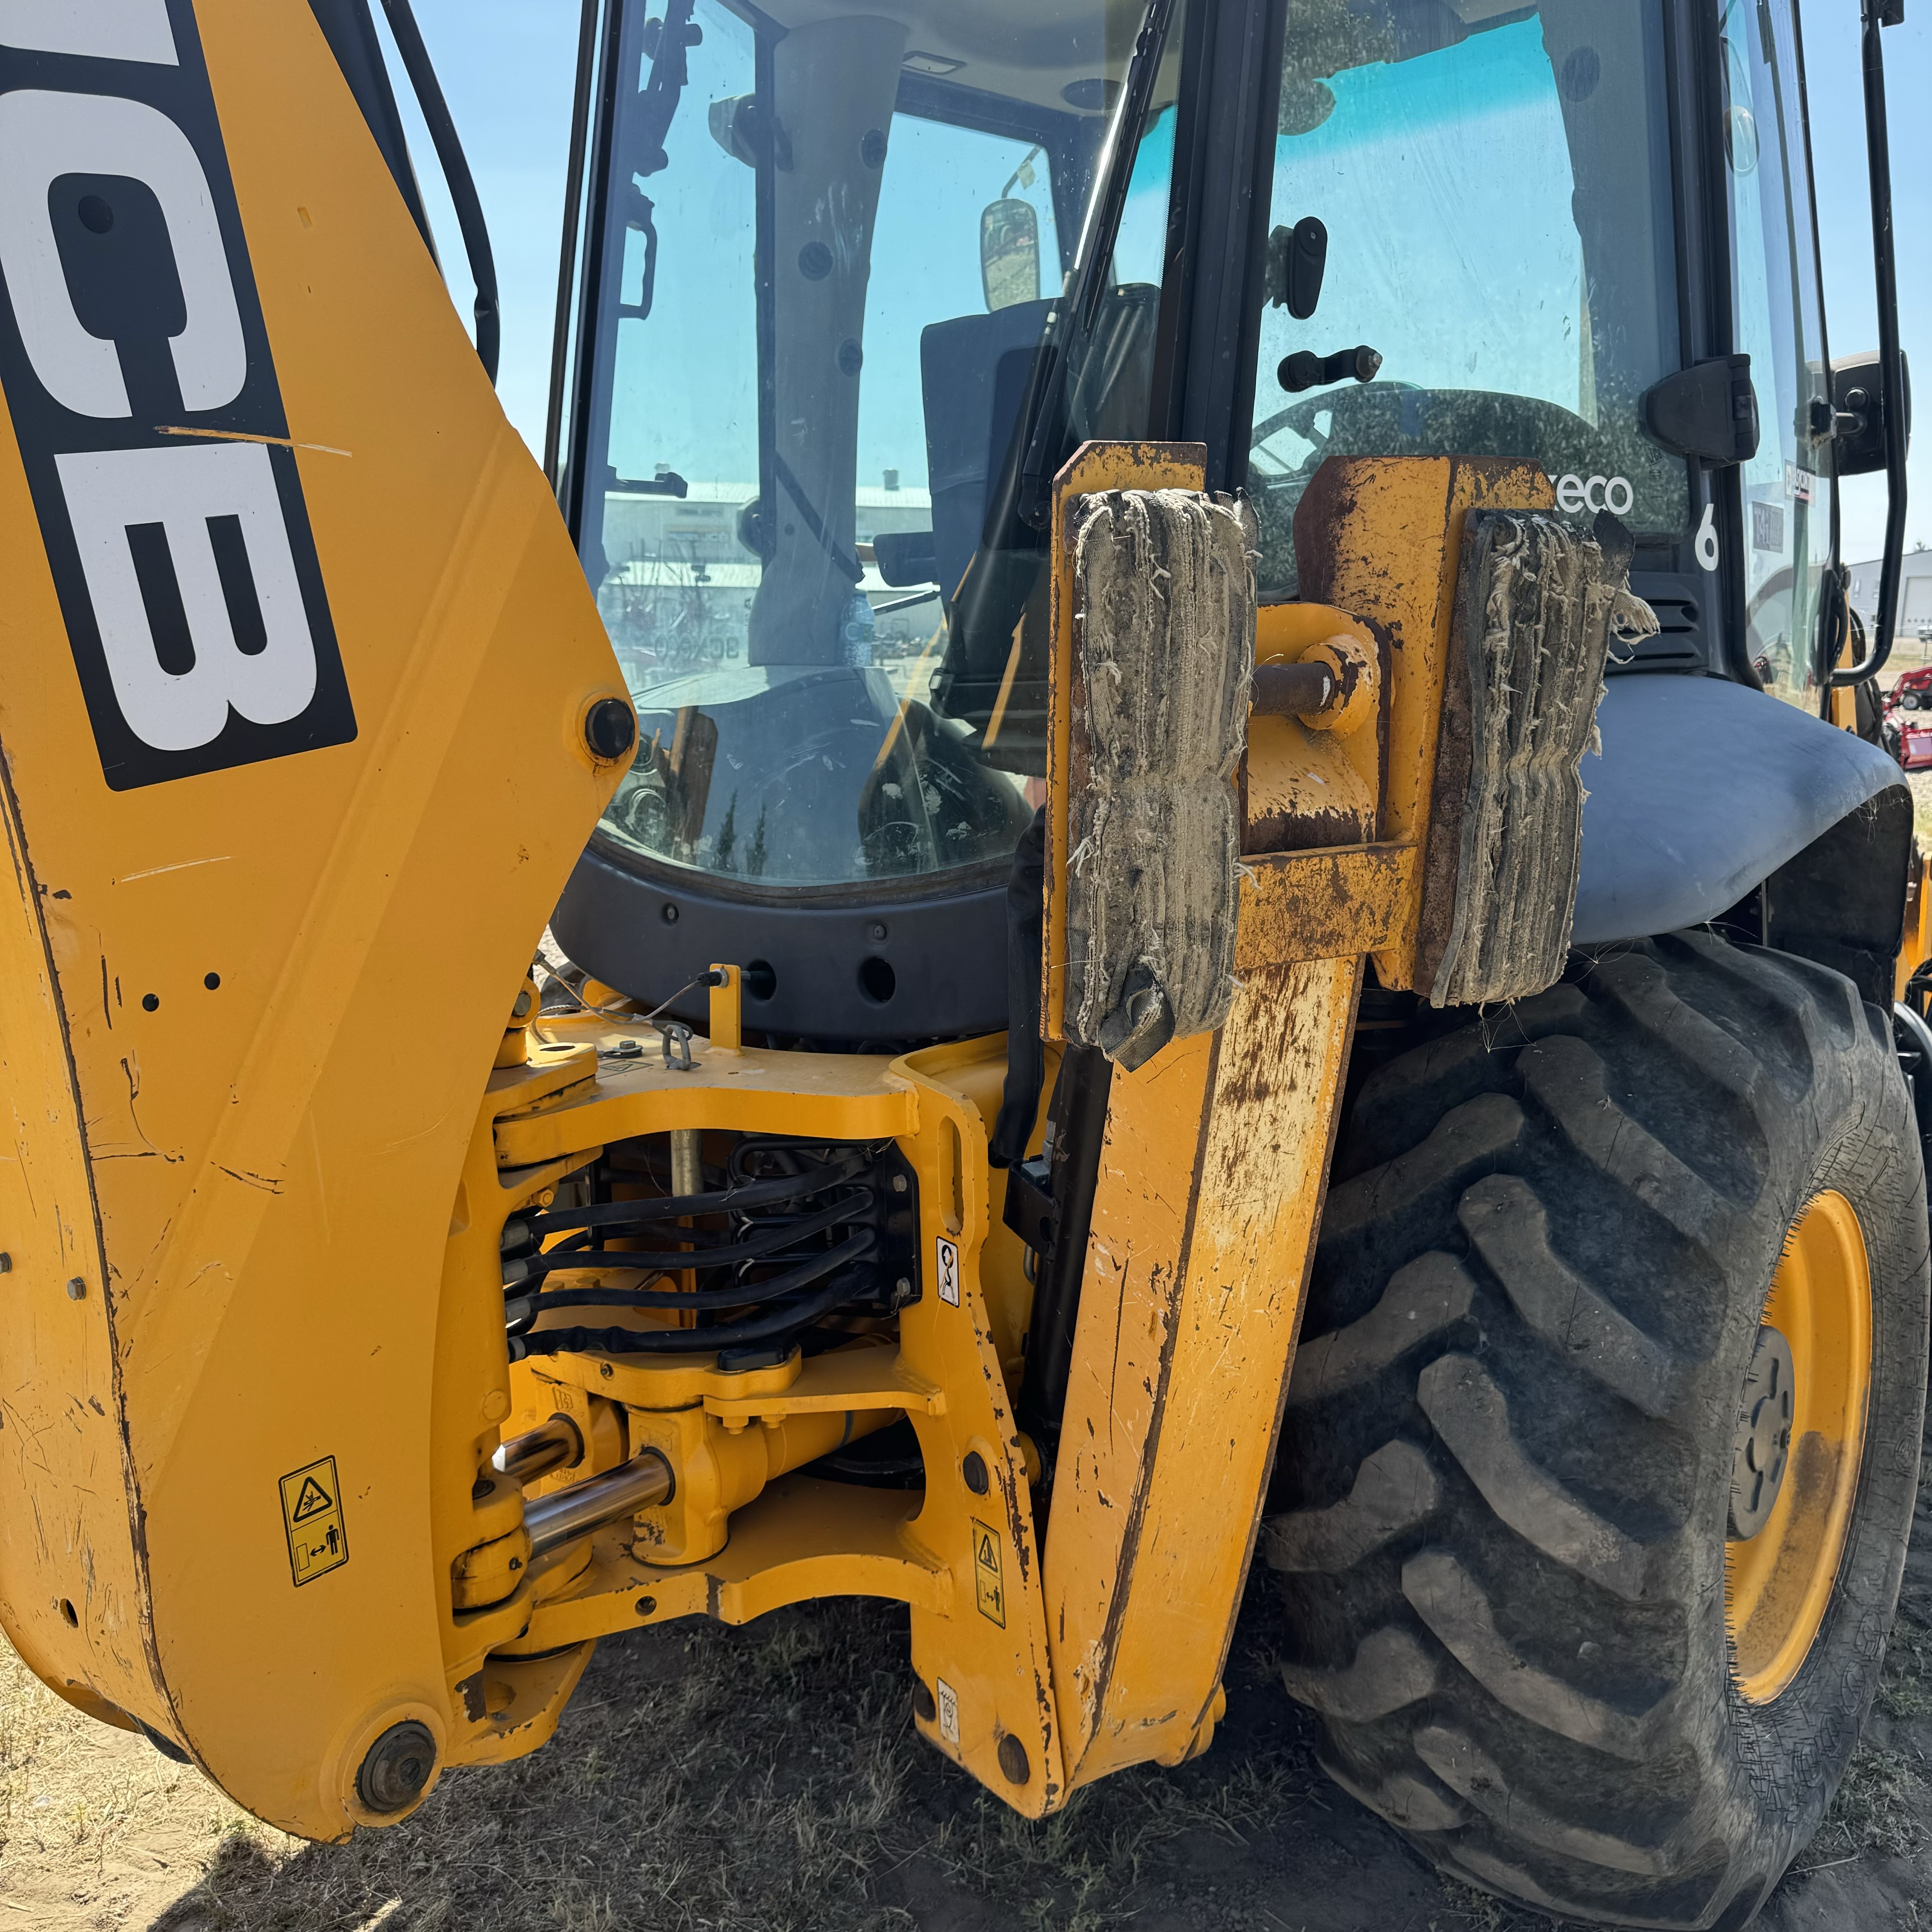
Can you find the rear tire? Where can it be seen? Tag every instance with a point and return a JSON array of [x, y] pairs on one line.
[[1507, 1456]]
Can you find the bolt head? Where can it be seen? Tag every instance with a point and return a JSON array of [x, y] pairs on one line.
[[398, 1768], [1013, 1759], [974, 1470], [76, 1289], [611, 729]]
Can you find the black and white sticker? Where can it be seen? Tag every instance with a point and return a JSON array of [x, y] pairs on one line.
[[138, 375]]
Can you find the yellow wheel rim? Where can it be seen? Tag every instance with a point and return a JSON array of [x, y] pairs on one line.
[[1778, 1580]]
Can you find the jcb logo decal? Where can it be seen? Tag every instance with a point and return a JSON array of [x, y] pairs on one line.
[[137, 373]]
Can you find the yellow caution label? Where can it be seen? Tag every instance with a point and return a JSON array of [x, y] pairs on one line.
[[312, 1514], [988, 1589]]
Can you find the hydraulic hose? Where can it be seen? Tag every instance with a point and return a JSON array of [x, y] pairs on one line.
[[417, 65]]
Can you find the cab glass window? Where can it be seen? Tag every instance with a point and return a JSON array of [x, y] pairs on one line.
[[1496, 188], [1778, 320], [832, 250]]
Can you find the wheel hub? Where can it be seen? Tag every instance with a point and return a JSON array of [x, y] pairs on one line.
[[1762, 1445]]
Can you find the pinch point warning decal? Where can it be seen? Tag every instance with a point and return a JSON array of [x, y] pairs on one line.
[[312, 1516]]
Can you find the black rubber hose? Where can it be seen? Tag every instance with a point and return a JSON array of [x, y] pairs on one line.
[[682, 1341], [762, 1247], [741, 1294], [456, 173], [676, 1207]]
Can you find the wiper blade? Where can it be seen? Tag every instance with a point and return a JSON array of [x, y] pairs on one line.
[[1073, 319]]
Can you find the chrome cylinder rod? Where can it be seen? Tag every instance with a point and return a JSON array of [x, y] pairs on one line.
[[561, 1518], [557, 1444]]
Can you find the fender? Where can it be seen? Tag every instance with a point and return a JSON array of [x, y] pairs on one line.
[[1704, 790]]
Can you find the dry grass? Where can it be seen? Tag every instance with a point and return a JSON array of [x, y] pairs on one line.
[[767, 1779]]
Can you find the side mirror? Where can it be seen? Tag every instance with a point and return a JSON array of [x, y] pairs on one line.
[[1009, 253], [1857, 413]]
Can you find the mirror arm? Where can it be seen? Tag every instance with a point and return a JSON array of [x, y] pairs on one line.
[[1877, 15]]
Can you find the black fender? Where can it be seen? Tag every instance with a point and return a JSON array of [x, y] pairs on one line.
[[1704, 790]]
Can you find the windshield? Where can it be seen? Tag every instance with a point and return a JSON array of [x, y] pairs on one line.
[[1495, 183], [828, 255]]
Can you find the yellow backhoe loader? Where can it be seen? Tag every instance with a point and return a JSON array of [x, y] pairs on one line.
[[1154, 850]]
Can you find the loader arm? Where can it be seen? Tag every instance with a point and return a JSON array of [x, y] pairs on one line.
[[273, 896]]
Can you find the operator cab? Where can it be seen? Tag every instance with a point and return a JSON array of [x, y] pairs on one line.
[[849, 286]]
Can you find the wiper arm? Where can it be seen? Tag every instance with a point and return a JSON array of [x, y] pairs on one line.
[[1073, 319]]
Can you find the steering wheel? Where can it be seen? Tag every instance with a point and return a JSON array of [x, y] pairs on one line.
[[1300, 417]]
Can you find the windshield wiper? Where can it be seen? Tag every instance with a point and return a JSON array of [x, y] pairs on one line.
[[1045, 426]]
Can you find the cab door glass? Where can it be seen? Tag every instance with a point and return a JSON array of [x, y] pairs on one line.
[[1778, 320], [1496, 190], [832, 249]]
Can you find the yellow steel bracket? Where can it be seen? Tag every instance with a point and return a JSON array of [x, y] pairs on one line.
[[745, 1531], [1217, 1149]]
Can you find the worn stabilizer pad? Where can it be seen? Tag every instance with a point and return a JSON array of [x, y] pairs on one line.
[[1537, 603], [1164, 595]]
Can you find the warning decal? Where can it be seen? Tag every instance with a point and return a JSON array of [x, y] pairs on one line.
[[988, 1589], [949, 1273], [312, 1515]]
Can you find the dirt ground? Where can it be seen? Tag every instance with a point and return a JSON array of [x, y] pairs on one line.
[[768, 1780]]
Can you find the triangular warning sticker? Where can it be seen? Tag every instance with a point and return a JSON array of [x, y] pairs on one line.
[[989, 1556], [312, 1500]]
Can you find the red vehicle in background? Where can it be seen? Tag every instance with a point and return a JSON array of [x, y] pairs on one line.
[[1907, 724]]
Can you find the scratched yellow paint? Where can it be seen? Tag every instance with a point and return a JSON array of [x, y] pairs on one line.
[[1210, 1193], [273, 1158]]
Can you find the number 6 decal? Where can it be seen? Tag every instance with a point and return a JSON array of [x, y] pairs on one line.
[[1707, 539]]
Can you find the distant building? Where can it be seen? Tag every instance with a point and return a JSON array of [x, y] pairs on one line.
[[1915, 591]]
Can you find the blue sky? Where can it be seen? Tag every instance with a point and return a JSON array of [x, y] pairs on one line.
[[507, 67]]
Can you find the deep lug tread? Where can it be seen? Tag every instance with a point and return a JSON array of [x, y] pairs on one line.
[[1395, 1490], [1450, 1601], [1463, 1765], [1507, 1514], [1431, 1295], [1510, 1229], [1391, 1670], [1569, 1080], [1415, 1803], [1471, 1416], [1465, 1142]]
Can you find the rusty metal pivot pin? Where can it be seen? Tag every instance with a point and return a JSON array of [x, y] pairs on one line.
[[1291, 690]]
